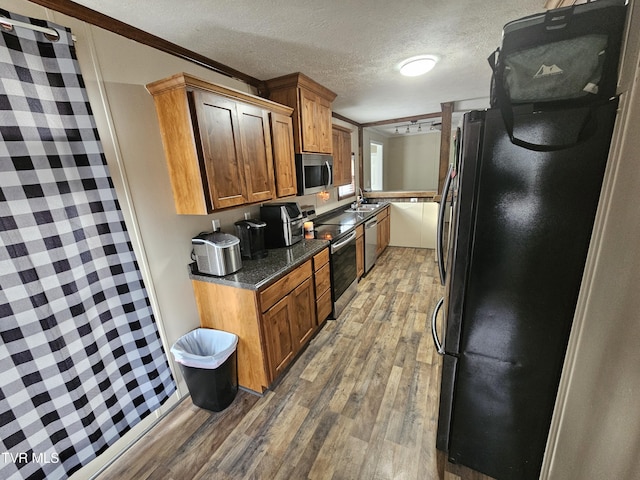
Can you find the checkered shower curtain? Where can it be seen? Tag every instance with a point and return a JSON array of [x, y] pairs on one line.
[[81, 360]]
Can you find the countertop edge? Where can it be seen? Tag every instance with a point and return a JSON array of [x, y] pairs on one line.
[[311, 247]]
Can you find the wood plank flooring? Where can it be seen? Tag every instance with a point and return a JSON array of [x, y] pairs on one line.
[[361, 402]]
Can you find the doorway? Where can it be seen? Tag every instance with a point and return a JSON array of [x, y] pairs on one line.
[[376, 166]]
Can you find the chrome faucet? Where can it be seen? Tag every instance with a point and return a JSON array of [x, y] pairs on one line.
[[361, 195]]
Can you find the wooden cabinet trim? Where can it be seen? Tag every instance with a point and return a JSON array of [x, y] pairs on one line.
[[342, 129], [300, 79], [182, 80]]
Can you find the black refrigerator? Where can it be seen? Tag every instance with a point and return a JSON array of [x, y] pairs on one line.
[[512, 259]]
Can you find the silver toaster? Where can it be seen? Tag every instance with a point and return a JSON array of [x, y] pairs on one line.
[[216, 253]]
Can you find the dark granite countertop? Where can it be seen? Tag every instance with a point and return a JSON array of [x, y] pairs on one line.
[[256, 274]]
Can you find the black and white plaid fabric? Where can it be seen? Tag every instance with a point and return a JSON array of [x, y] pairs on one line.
[[81, 360]]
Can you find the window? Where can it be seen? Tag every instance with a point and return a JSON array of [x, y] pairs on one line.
[[349, 190]]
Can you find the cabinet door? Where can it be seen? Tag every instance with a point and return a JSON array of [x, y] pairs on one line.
[[323, 125], [384, 230], [304, 319], [218, 133], [279, 336], [341, 157], [360, 255], [387, 228], [256, 152], [308, 116], [283, 154], [384, 233]]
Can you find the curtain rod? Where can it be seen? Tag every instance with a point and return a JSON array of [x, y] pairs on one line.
[[51, 33]]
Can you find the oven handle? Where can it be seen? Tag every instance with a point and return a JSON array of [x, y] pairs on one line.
[[342, 243]]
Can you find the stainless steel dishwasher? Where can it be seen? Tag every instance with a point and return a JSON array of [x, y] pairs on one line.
[[370, 243]]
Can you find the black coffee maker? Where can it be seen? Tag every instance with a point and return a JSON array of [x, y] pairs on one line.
[[251, 235]]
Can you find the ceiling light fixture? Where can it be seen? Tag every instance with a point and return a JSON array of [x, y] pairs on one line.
[[414, 66]]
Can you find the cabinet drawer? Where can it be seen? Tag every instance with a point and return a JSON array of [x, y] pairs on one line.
[[270, 295], [324, 306], [320, 259], [323, 280]]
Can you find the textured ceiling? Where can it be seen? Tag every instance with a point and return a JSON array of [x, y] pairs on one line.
[[352, 47]]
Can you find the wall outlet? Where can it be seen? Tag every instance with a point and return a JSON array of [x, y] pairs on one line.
[[216, 224]]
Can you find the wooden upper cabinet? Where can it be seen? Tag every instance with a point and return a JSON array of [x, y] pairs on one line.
[[256, 153], [217, 133], [283, 156], [341, 138], [218, 144], [311, 103]]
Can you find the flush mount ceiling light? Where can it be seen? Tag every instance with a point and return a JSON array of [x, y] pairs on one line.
[[414, 66]]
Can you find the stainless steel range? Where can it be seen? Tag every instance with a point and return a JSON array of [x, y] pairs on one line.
[[344, 272]]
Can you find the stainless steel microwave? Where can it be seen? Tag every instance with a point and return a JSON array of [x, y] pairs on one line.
[[314, 172]]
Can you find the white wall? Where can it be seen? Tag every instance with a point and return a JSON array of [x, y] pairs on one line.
[[596, 427], [412, 161]]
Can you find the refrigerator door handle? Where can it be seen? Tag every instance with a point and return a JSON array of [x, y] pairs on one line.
[[434, 328], [440, 230]]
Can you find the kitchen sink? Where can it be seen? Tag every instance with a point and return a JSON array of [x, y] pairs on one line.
[[365, 207]]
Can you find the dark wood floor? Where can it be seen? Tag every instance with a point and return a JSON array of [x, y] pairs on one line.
[[359, 403]]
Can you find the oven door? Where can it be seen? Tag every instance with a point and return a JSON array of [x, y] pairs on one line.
[[343, 271]]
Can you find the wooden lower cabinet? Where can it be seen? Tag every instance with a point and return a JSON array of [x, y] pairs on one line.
[[384, 230], [279, 337], [322, 280], [303, 321], [272, 324], [360, 250]]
